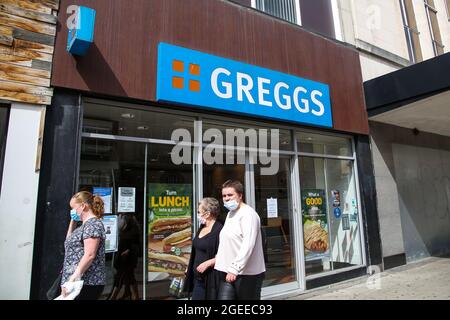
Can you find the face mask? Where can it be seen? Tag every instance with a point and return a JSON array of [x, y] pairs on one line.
[[74, 215], [201, 219], [231, 205]]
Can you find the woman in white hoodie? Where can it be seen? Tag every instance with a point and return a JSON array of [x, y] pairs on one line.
[[240, 257]]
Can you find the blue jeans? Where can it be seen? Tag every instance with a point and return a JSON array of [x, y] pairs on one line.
[[199, 290]]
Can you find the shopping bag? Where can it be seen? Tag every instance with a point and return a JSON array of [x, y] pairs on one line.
[[73, 289], [176, 287], [55, 289]]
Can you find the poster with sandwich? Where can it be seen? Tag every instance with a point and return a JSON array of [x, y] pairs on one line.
[[315, 224], [169, 229]]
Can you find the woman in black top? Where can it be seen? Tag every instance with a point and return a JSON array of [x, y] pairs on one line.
[[201, 278]]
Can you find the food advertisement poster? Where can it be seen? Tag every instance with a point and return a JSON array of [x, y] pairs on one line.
[[169, 230], [315, 223]]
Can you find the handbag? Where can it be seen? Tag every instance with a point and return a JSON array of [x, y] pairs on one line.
[[55, 289]]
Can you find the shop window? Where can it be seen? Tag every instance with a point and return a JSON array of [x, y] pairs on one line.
[[411, 31], [433, 24], [273, 202], [284, 139], [330, 215], [4, 115], [111, 120], [323, 144], [140, 186]]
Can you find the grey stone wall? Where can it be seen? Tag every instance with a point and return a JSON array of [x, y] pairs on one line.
[[412, 173]]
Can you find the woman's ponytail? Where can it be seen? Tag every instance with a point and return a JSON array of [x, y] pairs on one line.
[[98, 207]]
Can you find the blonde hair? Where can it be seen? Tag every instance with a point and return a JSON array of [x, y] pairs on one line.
[[93, 201]]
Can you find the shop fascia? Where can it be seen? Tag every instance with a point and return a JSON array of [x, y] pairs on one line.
[[196, 79]]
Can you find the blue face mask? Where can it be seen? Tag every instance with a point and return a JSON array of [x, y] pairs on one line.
[[231, 205], [74, 215]]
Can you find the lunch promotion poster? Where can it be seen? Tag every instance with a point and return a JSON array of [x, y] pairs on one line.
[[170, 233], [315, 223]]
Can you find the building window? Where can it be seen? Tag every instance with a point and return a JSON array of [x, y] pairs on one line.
[[329, 205], [285, 9], [317, 16], [302, 12], [433, 24], [447, 3], [4, 115], [411, 32]]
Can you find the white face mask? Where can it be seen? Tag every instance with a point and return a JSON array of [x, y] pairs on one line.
[[201, 220], [231, 205]]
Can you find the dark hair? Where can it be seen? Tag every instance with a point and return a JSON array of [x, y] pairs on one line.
[[93, 201], [236, 185], [210, 205]]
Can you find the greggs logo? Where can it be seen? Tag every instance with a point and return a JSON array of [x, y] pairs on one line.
[[194, 78], [188, 78]]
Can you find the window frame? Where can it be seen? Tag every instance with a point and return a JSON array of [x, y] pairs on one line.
[[411, 31], [433, 25], [447, 6], [260, 6]]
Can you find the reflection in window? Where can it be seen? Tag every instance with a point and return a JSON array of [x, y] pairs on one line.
[[284, 9], [274, 206], [110, 120], [330, 215], [109, 165], [322, 144]]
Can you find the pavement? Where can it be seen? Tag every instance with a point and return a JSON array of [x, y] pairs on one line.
[[428, 279]]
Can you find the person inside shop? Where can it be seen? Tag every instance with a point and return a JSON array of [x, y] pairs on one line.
[[202, 280], [240, 258], [84, 257], [126, 258]]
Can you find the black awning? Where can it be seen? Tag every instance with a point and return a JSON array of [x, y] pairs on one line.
[[407, 85]]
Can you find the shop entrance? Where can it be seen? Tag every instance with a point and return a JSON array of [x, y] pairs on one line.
[[154, 197]]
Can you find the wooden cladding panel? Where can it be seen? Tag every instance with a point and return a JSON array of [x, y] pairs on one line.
[[27, 34], [122, 62]]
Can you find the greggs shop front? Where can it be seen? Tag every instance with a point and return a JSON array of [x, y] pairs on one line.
[[167, 104]]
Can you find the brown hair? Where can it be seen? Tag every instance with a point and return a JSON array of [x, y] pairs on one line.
[[236, 185], [210, 205], [93, 201]]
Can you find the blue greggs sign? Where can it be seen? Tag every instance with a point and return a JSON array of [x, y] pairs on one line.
[[194, 78], [81, 35]]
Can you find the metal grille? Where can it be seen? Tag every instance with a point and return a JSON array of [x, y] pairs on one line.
[[284, 9]]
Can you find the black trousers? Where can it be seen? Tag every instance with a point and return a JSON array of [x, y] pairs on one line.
[[90, 293], [244, 288]]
